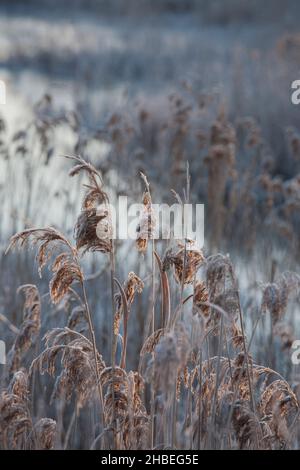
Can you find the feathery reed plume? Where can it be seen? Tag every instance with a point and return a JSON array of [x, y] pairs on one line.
[[151, 341], [123, 301], [147, 224], [43, 238], [240, 376], [285, 333], [276, 295], [65, 266], [220, 161], [44, 433], [201, 299], [131, 286], [123, 405], [279, 406], [114, 378], [15, 420], [170, 356], [136, 428], [19, 385], [223, 292], [165, 291], [77, 318], [246, 425], [66, 271], [186, 262], [276, 406], [93, 230], [78, 374], [30, 327]]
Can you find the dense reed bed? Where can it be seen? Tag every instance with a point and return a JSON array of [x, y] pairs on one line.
[[192, 379]]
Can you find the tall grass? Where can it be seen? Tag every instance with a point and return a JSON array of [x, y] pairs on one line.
[[195, 384]]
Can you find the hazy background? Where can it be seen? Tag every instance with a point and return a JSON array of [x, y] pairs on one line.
[[99, 55]]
